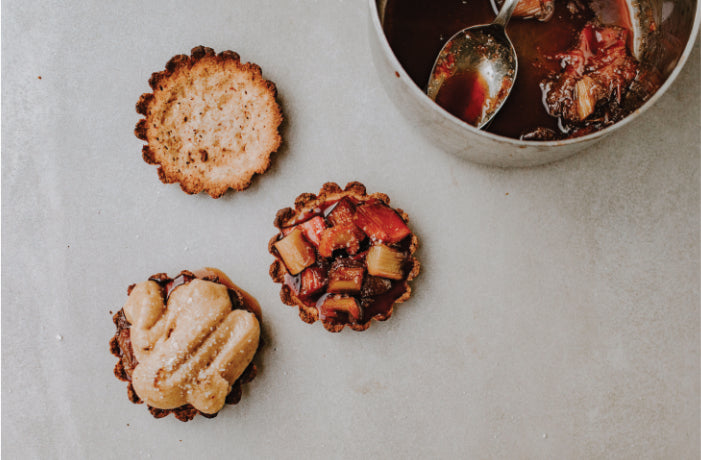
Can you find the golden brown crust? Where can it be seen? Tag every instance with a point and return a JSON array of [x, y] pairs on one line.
[[306, 202], [211, 122]]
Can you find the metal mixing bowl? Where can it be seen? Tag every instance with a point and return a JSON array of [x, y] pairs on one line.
[[666, 46]]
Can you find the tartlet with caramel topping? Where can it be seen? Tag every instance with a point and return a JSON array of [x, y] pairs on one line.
[[343, 257], [186, 344]]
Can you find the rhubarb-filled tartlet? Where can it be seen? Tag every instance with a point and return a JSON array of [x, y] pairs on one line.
[[186, 344], [343, 257]]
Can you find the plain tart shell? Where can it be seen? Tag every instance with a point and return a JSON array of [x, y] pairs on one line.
[[210, 123]]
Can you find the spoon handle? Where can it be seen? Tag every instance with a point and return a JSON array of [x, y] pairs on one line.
[[505, 12]]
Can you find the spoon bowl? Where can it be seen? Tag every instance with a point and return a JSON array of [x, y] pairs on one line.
[[475, 70]]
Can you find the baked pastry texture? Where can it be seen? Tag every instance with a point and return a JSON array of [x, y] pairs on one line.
[[343, 257], [186, 344], [210, 123]]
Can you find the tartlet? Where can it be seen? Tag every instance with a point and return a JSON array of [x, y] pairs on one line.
[[186, 344], [210, 123], [343, 257]]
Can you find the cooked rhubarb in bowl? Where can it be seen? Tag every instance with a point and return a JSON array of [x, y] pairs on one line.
[[586, 68], [577, 74], [343, 257]]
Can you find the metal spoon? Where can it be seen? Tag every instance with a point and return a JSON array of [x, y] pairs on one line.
[[486, 54]]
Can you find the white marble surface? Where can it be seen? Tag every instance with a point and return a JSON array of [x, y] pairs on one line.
[[556, 315]]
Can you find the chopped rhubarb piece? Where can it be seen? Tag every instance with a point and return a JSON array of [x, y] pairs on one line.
[[342, 213], [346, 277], [380, 222], [385, 262], [374, 286], [346, 237], [311, 229], [313, 280], [335, 307], [292, 282], [595, 75], [542, 10], [586, 92], [296, 252]]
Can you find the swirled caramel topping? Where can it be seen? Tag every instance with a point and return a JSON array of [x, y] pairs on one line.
[[190, 349]]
